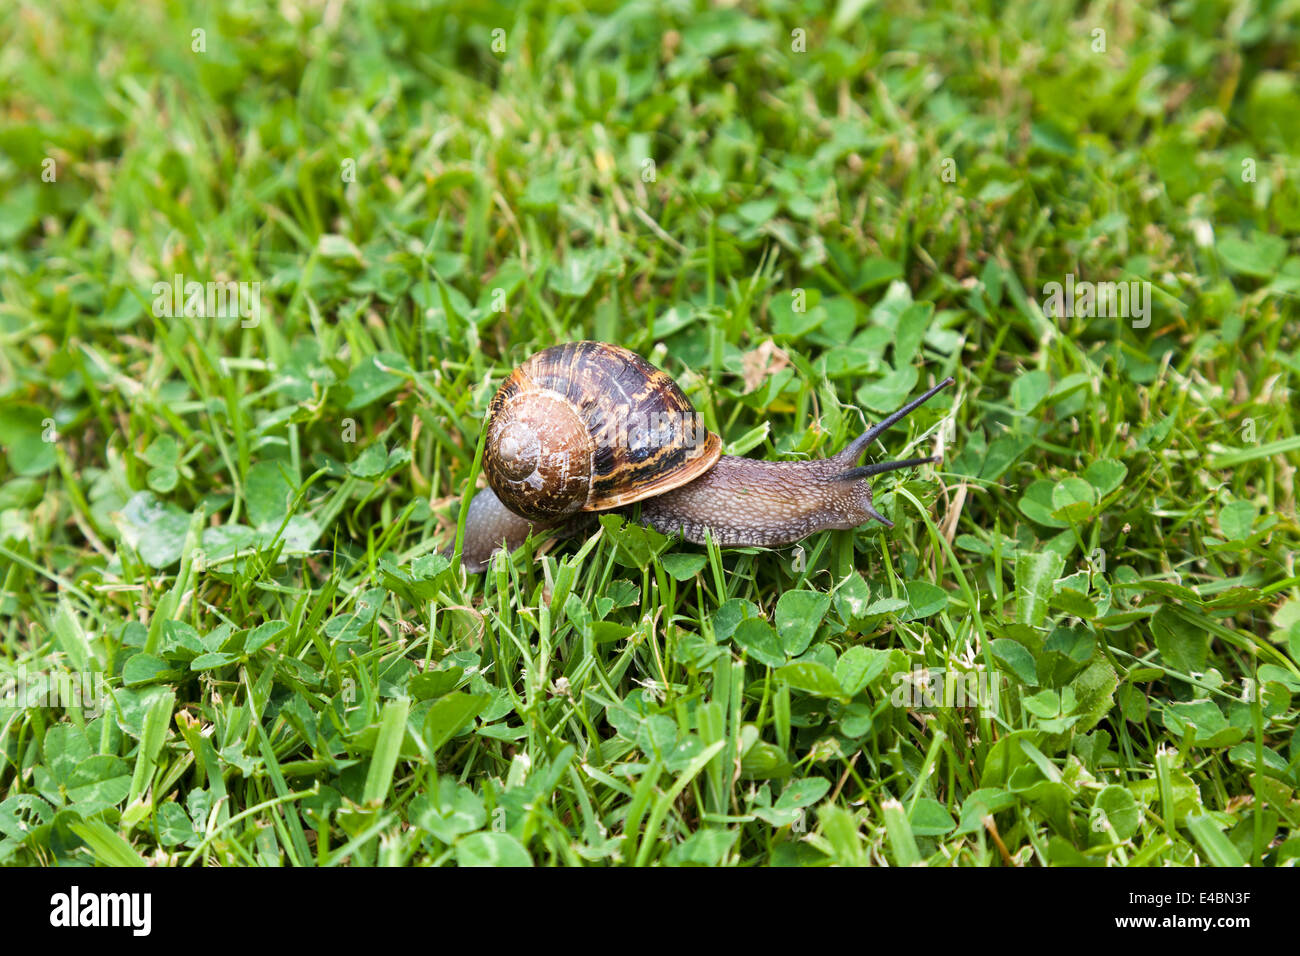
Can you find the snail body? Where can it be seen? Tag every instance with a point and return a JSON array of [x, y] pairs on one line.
[[589, 426]]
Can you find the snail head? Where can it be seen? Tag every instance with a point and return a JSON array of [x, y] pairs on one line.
[[855, 474]]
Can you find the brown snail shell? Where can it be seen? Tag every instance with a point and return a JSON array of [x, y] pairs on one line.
[[588, 426]]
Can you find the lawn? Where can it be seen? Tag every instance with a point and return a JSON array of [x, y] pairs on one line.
[[263, 266]]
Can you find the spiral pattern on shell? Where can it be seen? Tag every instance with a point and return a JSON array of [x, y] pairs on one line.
[[588, 426]]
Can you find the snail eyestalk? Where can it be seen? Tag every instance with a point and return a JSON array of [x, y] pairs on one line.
[[854, 449], [880, 467]]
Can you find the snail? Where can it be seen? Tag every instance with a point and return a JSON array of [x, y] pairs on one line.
[[589, 426]]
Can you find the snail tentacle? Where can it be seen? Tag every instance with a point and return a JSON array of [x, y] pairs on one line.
[[851, 452]]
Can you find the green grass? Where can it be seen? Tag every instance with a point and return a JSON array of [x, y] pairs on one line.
[[236, 528]]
